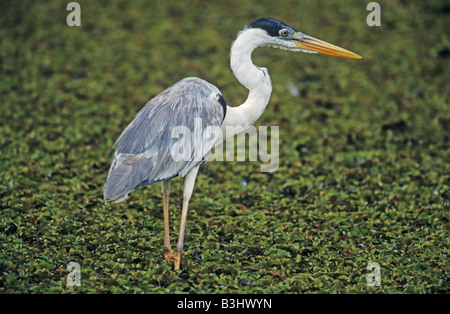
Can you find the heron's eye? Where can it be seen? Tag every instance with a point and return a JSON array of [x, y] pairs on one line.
[[284, 32]]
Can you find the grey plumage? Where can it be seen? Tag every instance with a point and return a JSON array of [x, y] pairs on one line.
[[144, 150]]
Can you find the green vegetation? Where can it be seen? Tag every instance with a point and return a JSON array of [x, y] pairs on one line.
[[364, 169]]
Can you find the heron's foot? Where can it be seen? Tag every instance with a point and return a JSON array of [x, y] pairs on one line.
[[168, 253], [177, 260]]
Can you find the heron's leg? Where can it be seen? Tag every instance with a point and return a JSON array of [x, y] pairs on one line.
[[189, 182], [168, 253]]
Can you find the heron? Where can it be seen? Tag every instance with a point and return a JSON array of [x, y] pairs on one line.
[[144, 150]]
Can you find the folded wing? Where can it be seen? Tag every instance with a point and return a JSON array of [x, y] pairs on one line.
[[165, 139]]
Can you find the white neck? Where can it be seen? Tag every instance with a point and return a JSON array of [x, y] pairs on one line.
[[254, 78]]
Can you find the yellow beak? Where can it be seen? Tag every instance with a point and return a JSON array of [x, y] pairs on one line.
[[313, 44]]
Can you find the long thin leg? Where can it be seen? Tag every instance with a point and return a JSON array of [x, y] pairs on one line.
[[168, 253], [189, 182]]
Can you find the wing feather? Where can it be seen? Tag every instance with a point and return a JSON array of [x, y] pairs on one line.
[[144, 152]]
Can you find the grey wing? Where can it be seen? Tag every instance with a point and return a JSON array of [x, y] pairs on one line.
[[166, 138]]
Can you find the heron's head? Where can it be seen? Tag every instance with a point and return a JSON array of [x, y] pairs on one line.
[[276, 34]]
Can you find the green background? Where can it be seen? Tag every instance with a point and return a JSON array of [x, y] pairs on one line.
[[364, 170]]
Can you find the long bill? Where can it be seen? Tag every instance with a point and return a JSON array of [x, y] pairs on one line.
[[306, 42]]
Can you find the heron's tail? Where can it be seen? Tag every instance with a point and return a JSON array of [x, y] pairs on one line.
[[114, 190], [122, 178]]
